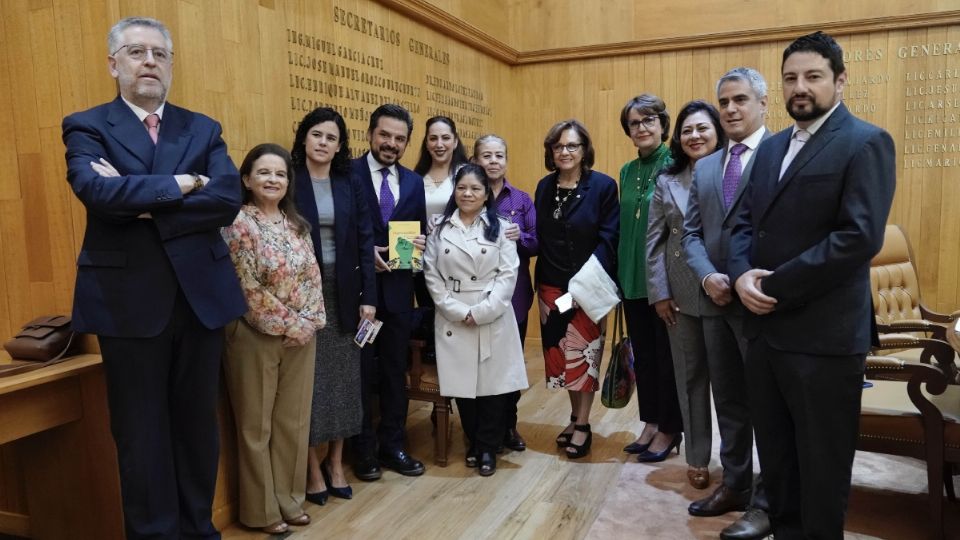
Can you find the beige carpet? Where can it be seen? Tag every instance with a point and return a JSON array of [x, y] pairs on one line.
[[649, 501]]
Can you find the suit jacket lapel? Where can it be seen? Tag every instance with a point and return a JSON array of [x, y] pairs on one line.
[[362, 170], [406, 187], [342, 207], [308, 204], [812, 147], [173, 142], [130, 132], [676, 188]]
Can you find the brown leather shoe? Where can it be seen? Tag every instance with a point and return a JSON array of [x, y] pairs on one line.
[[300, 521], [721, 501], [699, 477], [279, 527]]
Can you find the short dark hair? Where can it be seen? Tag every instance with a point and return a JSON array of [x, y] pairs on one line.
[[458, 158], [341, 160], [680, 159], [650, 105], [287, 203], [391, 110], [492, 231], [819, 43], [554, 135]]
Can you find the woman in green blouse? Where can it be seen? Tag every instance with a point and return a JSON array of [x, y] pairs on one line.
[[646, 121]]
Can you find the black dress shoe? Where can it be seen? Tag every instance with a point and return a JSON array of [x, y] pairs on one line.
[[754, 523], [721, 501], [636, 447], [488, 463], [339, 492], [367, 469], [472, 457], [400, 462], [319, 498], [513, 440]]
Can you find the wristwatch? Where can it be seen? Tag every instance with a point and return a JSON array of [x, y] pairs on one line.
[[197, 182]]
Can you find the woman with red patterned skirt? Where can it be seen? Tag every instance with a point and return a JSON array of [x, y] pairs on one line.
[[577, 216]]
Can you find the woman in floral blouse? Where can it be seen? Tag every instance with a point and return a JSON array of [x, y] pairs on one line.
[[270, 351]]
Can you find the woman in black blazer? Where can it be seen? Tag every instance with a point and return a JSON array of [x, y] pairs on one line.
[[343, 239], [578, 215]]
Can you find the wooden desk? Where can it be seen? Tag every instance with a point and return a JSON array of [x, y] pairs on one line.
[[57, 420]]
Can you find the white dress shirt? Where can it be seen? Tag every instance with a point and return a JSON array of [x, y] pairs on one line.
[[377, 178]]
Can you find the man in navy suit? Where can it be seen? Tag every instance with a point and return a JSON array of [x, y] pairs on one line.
[[154, 280], [812, 218], [718, 185], [393, 193]]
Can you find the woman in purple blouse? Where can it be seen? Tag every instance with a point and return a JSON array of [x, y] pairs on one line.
[[515, 206]]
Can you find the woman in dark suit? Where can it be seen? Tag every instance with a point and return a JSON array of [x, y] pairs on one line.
[[577, 216], [343, 240]]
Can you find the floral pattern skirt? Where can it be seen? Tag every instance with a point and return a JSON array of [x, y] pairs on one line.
[[572, 344]]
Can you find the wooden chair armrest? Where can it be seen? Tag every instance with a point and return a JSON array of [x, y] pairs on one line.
[[935, 349], [938, 317], [936, 331], [416, 364]]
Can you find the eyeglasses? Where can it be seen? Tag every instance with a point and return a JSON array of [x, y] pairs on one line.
[[139, 52], [572, 147], [648, 122]]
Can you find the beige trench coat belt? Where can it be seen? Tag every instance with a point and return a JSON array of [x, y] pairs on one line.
[[471, 284]]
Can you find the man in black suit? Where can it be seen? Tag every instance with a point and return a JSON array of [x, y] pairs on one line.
[[811, 220], [393, 193], [154, 280]]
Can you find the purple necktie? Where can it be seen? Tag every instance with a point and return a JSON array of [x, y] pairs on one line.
[[731, 176], [386, 196]]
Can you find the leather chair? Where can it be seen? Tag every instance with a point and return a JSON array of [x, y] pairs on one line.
[[906, 326], [911, 410], [423, 384]]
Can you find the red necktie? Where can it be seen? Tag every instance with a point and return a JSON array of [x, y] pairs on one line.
[[152, 121]]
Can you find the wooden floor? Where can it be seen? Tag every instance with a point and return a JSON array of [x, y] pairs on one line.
[[538, 493]]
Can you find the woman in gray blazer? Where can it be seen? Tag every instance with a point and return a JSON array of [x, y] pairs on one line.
[[673, 289]]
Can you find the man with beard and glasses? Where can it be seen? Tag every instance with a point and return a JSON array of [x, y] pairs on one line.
[[393, 193], [810, 221]]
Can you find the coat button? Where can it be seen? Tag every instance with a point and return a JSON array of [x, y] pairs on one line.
[[473, 278], [484, 250], [674, 230], [676, 253], [762, 234], [446, 250], [449, 333]]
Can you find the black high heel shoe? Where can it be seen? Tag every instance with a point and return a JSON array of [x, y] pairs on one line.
[[563, 439], [472, 457], [577, 451], [339, 492], [655, 457]]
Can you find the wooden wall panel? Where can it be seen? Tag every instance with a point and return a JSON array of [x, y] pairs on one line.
[[233, 63]]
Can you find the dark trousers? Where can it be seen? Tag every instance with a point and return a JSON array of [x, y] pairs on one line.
[[383, 366], [482, 419], [653, 365], [510, 410], [162, 393], [726, 356], [806, 412]]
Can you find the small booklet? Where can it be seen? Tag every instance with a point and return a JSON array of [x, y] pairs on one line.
[[403, 254], [367, 332]]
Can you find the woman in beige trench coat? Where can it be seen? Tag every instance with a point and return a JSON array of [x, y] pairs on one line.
[[471, 270]]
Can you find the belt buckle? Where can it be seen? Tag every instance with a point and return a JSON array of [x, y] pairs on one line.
[[456, 285]]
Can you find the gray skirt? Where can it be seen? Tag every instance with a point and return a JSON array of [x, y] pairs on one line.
[[337, 411]]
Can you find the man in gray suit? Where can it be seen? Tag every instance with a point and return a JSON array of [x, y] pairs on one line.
[[719, 181]]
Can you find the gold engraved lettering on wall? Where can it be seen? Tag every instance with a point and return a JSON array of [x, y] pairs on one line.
[[931, 101], [356, 79]]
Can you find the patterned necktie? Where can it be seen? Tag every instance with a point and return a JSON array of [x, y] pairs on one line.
[[732, 174], [152, 121], [386, 196], [796, 144]]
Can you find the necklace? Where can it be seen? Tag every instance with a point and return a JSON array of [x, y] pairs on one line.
[[560, 202]]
